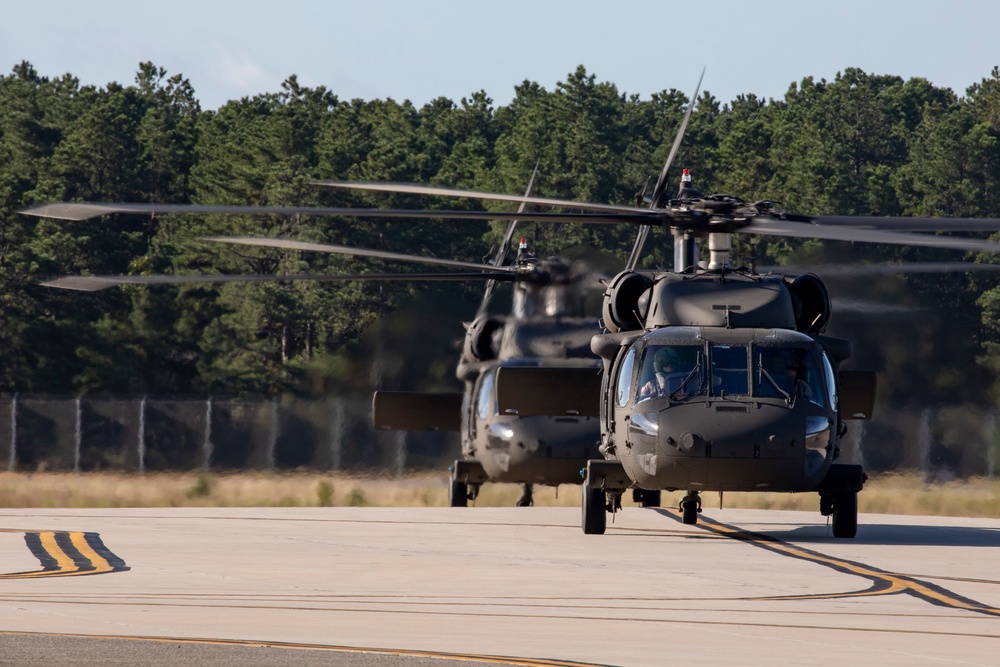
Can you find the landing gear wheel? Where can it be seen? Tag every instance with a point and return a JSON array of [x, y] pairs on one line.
[[526, 500], [595, 512], [690, 506], [458, 494], [646, 498], [845, 514]]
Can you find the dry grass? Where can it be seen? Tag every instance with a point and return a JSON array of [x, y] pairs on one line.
[[895, 494]]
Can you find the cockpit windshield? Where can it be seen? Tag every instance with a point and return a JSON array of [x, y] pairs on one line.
[[676, 371], [788, 373], [730, 375], [682, 371]]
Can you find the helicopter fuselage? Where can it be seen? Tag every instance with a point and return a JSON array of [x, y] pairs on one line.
[[720, 380], [730, 418], [531, 446]]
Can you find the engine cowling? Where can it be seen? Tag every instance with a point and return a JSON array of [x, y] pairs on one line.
[[626, 301], [482, 339], [811, 302]]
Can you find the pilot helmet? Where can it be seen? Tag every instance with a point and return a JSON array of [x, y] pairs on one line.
[[665, 357]]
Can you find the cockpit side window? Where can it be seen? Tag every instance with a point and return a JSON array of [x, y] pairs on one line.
[[622, 392], [784, 372], [486, 404]]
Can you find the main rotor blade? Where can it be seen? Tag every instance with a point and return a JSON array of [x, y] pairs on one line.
[[442, 191], [97, 283], [656, 198], [85, 211], [509, 236], [874, 308], [903, 224], [775, 227], [838, 228], [637, 245], [501, 255], [661, 183], [862, 270], [288, 244]]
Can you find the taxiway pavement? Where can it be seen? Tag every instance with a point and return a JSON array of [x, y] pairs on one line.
[[505, 586]]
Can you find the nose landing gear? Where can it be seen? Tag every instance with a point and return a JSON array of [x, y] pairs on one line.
[[646, 498]]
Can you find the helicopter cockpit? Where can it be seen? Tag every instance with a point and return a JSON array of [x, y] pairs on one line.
[[683, 363]]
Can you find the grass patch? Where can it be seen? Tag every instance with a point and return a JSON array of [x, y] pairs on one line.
[[202, 487], [886, 494], [324, 493]]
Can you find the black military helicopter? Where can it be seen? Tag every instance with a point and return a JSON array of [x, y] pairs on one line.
[[547, 329], [545, 339], [753, 398]]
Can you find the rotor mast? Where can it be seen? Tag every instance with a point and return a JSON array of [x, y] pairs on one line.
[[686, 242]]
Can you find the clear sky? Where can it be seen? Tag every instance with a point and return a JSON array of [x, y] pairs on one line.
[[420, 50]]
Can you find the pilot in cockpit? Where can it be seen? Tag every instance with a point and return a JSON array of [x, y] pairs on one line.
[[667, 373], [794, 378], [789, 371]]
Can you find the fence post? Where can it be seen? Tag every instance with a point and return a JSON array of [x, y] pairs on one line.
[[77, 434], [274, 434], [207, 444], [142, 435], [859, 441], [336, 433], [924, 441], [12, 463], [400, 452], [991, 447]]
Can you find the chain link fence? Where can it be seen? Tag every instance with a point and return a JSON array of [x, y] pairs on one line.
[[167, 433], [161, 433]]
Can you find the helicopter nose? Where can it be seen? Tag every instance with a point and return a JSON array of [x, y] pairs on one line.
[[750, 433], [738, 445], [544, 436]]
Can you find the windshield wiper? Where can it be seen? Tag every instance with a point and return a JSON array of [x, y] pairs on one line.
[[789, 398], [694, 371], [774, 384]]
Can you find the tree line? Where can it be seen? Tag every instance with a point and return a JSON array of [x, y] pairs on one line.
[[864, 144]]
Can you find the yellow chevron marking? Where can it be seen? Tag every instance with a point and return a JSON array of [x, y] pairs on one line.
[[80, 542], [48, 539]]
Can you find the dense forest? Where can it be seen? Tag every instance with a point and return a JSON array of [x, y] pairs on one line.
[[861, 144]]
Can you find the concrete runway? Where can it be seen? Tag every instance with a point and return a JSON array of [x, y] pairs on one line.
[[381, 586]]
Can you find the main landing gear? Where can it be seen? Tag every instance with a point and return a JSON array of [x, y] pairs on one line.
[[690, 507], [844, 508], [838, 497], [526, 500], [604, 482], [465, 479], [460, 493], [595, 511]]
